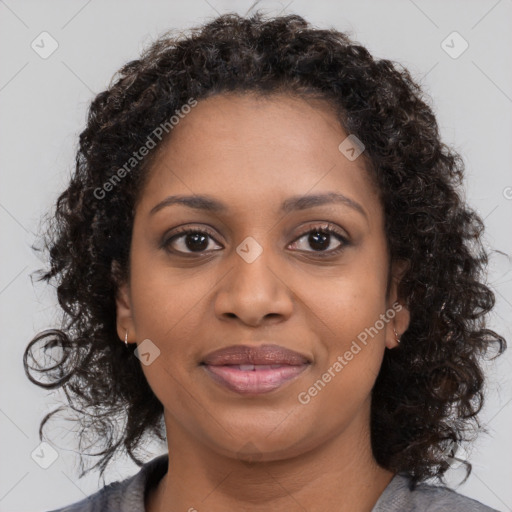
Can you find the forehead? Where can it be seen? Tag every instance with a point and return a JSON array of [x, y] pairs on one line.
[[255, 150]]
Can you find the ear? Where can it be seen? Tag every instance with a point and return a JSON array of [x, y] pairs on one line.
[[397, 311], [124, 312]]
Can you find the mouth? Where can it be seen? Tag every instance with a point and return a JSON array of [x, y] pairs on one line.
[[253, 370]]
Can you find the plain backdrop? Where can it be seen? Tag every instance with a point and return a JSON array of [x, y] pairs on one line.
[[43, 104]]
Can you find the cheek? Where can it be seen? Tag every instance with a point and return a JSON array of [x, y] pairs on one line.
[[350, 354], [348, 300], [168, 309], [354, 342], [165, 299], [347, 309]]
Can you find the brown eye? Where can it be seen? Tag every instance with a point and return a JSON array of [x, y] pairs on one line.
[[189, 241], [321, 239]]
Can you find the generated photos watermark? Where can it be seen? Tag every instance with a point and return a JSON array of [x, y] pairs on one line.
[[144, 150], [304, 397]]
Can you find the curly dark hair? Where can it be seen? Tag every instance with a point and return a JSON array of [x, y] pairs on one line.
[[429, 391]]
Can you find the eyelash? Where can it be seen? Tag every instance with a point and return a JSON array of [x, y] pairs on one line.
[[322, 228]]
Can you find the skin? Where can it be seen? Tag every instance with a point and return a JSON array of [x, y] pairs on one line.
[[234, 452]]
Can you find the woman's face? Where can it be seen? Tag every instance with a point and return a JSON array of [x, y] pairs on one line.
[[257, 272]]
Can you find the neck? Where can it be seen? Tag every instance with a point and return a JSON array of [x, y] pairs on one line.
[[340, 474]]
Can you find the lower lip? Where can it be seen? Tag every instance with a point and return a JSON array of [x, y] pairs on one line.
[[254, 381]]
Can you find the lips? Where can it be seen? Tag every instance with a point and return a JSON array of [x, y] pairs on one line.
[[261, 355], [253, 370]]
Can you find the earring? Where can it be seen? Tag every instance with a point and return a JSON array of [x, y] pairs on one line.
[[126, 338], [396, 336]]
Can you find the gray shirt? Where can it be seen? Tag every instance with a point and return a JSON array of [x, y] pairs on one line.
[[128, 495]]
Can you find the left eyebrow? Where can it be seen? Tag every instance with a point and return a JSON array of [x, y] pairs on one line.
[[304, 202], [210, 204]]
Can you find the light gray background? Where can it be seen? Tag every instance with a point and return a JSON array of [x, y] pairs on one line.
[[43, 104]]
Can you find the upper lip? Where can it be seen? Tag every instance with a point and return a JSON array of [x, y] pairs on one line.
[[262, 354]]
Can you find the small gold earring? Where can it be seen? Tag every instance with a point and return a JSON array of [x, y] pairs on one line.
[[396, 336], [126, 338]]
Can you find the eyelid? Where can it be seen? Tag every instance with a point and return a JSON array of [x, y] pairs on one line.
[[329, 228], [184, 230]]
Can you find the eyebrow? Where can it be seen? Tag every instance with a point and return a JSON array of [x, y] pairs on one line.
[[210, 204]]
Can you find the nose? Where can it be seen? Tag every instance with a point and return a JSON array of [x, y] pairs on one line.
[[254, 292]]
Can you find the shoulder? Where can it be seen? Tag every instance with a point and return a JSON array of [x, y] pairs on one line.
[[124, 496], [105, 499], [398, 496]]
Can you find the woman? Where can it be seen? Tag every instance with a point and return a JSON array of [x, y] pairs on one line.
[[264, 259]]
